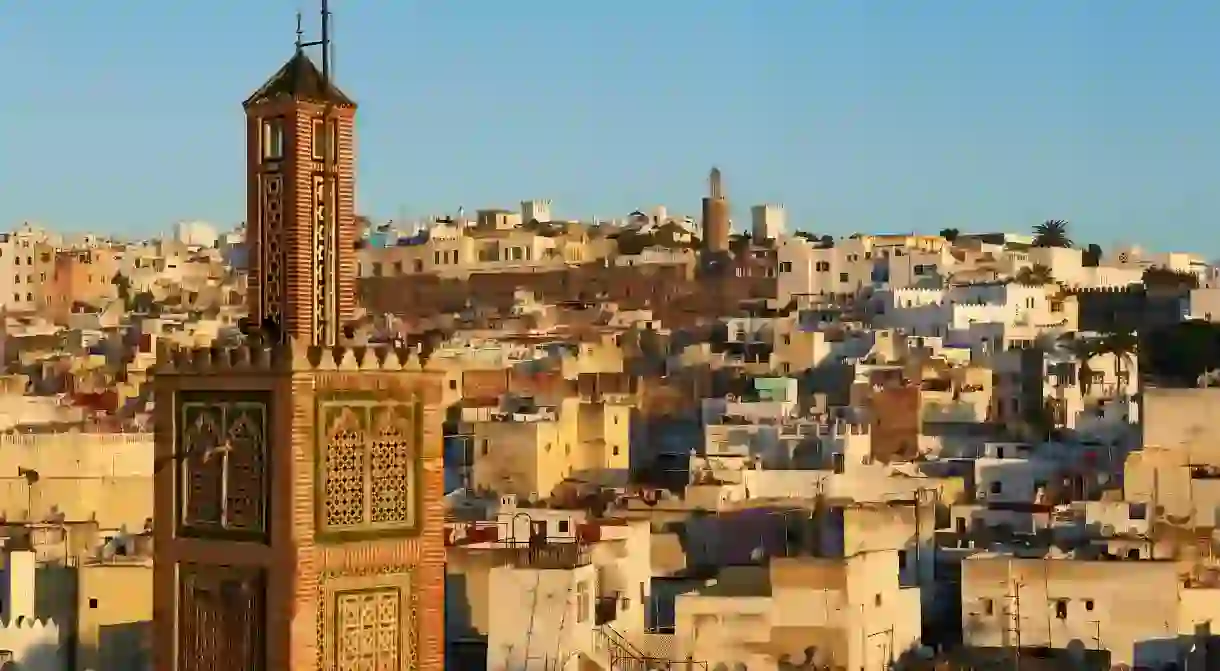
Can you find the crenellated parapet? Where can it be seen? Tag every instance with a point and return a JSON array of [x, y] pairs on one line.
[[293, 356]]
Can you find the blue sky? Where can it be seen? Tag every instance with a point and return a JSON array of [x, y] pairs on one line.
[[865, 115]]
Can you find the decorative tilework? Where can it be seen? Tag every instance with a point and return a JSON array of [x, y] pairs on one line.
[[367, 621], [222, 449], [368, 466]]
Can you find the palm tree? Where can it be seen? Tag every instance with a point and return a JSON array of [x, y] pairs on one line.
[[1052, 233], [1123, 345], [1083, 350], [1035, 275], [950, 234]]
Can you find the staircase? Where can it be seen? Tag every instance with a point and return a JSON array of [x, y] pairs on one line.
[[615, 653]]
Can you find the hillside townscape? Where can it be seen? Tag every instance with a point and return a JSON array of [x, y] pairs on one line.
[[659, 441]]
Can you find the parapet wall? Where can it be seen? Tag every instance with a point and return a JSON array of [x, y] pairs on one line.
[[77, 455], [294, 356]]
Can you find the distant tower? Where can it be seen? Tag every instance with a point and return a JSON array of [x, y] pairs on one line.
[[715, 215], [537, 210], [767, 222], [301, 202]]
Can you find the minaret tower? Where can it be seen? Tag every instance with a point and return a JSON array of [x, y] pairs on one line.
[[301, 199], [715, 215], [298, 519]]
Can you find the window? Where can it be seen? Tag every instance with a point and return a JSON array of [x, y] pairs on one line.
[[273, 139], [92, 603], [877, 600], [319, 140], [325, 140], [436, 258], [996, 487], [582, 601], [376, 269], [615, 451], [563, 526], [822, 266], [1061, 609], [843, 277], [902, 559], [1088, 605], [988, 607], [785, 266], [486, 445], [398, 267]]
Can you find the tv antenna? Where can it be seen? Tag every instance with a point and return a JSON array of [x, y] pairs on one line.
[[324, 41]]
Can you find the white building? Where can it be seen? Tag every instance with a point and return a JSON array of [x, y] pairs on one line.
[[195, 233], [28, 642], [768, 222], [1141, 611]]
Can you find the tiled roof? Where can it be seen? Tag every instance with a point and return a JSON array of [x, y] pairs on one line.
[[299, 79]]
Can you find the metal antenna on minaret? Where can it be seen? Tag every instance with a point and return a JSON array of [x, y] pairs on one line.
[[300, 34], [326, 74], [715, 187], [324, 42]]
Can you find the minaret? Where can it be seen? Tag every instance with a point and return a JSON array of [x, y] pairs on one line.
[[715, 215], [301, 200], [299, 517]]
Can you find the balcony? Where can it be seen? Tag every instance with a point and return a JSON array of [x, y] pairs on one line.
[[557, 556]]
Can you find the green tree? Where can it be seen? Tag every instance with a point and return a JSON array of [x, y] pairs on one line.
[[1052, 233], [1180, 352], [123, 286], [1083, 350], [1035, 275], [950, 234], [1090, 257], [145, 303], [1167, 278]]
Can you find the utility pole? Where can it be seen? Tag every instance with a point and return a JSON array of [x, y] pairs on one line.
[[529, 632], [1016, 622]]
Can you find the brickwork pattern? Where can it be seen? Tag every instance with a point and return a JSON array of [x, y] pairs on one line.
[[293, 244], [305, 570]]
